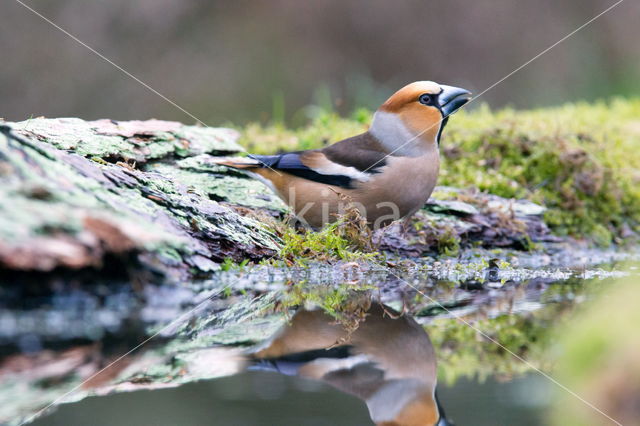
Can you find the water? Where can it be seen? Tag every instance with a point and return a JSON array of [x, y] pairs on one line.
[[336, 344], [258, 398]]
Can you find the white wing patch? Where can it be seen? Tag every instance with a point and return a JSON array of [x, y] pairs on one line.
[[331, 168]]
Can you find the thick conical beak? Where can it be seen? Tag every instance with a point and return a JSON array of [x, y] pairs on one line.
[[452, 98]]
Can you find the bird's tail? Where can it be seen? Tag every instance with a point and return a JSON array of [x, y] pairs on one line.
[[237, 162]]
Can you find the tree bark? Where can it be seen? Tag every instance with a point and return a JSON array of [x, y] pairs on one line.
[[135, 194]]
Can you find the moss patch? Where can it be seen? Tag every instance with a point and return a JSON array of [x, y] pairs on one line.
[[347, 239]]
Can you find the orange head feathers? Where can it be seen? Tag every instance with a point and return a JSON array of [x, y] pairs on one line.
[[417, 112]]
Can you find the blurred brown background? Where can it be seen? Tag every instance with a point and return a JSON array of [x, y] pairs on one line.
[[238, 61]]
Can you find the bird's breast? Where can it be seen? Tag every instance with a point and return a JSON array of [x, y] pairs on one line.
[[395, 191], [405, 181]]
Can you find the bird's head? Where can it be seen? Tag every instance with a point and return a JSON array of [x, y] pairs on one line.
[[407, 402], [413, 117], [422, 409]]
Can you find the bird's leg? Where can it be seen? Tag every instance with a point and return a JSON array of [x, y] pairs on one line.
[[405, 226]]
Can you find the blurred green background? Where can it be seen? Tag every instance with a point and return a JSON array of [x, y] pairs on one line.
[[255, 60]]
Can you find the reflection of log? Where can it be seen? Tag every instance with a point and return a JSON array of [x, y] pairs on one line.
[[77, 194]]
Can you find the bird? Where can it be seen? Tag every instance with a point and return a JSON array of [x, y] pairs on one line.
[[388, 361], [387, 172]]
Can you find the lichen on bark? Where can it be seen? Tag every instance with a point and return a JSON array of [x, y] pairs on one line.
[[75, 194]]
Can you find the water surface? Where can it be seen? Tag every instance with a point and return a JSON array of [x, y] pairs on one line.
[[376, 344]]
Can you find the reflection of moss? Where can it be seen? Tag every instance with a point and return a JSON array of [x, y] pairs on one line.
[[579, 159], [346, 303], [462, 352]]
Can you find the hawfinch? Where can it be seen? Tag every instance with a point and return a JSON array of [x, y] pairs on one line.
[[388, 172], [388, 361]]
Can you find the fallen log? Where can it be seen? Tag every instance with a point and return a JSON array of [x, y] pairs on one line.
[[77, 194], [131, 198]]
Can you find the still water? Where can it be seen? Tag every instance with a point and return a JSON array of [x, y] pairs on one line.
[[260, 398], [281, 350], [316, 371]]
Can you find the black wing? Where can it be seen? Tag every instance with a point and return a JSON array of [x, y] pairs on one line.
[[290, 364], [291, 163]]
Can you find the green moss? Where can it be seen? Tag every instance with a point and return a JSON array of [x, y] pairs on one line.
[[436, 230], [340, 240], [228, 264], [580, 160]]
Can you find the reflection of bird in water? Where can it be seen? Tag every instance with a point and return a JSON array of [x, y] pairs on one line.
[[389, 363]]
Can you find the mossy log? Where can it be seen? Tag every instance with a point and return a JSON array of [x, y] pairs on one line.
[[80, 194], [135, 197]]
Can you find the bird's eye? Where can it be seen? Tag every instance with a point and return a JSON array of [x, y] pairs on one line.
[[426, 99]]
